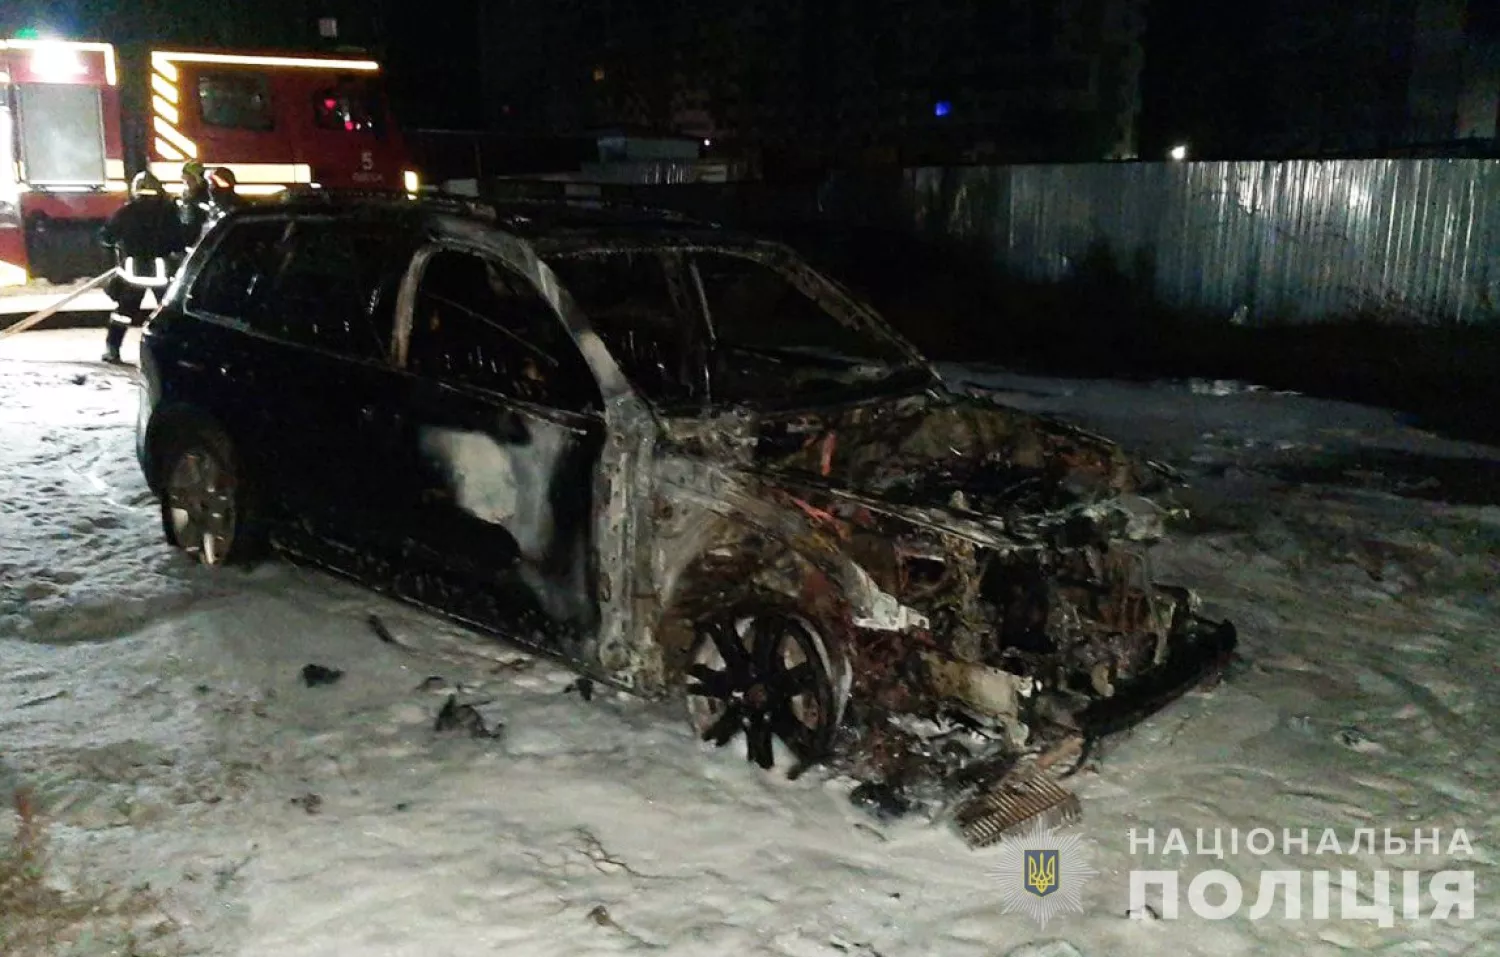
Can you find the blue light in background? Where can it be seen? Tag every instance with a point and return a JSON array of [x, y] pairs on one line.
[[942, 108]]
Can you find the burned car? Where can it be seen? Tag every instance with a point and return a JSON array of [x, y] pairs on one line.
[[680, 458]]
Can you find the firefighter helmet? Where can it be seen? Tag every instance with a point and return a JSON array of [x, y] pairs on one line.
[[220, 180], [192, 173], [144, 184]]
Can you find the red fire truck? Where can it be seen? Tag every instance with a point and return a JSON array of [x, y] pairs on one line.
[[274, 120], [61, 159]]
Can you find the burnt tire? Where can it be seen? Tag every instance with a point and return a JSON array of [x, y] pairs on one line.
[[762, 671], [208, 507]]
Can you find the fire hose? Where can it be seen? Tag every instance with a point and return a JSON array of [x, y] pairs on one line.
[[56, 307]]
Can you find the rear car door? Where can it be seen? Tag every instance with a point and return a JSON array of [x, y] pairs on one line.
[[328, 322], [292, 354], [505, 428]]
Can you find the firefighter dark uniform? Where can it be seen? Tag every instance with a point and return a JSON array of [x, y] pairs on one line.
[[222, 198], [147, 236], [192, 206]]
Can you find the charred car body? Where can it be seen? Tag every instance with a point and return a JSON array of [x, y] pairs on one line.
[[681, 459]]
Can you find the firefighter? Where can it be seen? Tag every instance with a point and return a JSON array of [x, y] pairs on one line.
[[145, 234], [222, 199], [192, 207]]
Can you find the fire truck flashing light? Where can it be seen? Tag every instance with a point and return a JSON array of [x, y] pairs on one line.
[[61, 61]]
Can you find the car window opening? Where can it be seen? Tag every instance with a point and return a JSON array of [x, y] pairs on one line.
[[482, 325], [647, 329], [773, 342]]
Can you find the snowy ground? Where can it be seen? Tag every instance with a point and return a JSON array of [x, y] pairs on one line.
[[158, 710]]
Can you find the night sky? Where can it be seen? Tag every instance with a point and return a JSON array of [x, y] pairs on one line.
[[1230, 78]]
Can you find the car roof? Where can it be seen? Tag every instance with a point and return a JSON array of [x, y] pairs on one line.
[[553, 226]]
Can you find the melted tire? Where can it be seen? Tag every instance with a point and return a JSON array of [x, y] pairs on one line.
[[757, 671]]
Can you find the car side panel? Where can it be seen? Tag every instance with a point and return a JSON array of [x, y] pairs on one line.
[[206, 367], [504, 505]]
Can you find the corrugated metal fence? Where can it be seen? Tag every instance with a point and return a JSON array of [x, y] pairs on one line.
[[1406, 240]]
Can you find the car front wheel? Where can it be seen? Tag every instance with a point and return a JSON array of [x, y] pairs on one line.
[[762, 671]]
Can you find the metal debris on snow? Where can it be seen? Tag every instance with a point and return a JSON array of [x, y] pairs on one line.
[[478, 719]]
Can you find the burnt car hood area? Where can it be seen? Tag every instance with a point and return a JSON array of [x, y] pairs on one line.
[[985, 571]]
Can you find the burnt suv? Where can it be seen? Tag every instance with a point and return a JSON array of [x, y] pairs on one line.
[[678, 457]]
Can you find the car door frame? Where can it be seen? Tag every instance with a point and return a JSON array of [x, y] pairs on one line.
[[621, 490]]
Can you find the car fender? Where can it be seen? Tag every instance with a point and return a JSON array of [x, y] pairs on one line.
[[733, 539]]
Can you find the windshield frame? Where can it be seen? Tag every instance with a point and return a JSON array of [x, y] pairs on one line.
[[910, 370]]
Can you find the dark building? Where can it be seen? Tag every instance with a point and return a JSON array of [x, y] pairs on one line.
[[938, 79], [1322, 77]]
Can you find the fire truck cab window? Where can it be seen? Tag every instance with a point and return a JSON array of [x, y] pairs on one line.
[[478, 323], [347, 107], [238, 101]]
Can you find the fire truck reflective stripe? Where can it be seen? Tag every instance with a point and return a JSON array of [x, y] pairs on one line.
[[164, 88], [164, 109], [244, 173], [114, 169], [244, 189], [11, 274], [269, 172], [169, 151], [116, 185], [164, 67], [166, 57], [169, 132]]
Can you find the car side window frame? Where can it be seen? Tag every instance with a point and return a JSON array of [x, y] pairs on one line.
[[371, 300], [288, 224], [406, 303], [686, 300], [205, 258]]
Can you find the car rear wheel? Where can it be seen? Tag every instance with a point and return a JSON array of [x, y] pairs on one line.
[[762, 671], [205, 507]]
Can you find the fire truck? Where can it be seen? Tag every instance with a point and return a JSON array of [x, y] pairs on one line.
[[68, 110], [62, 166]]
